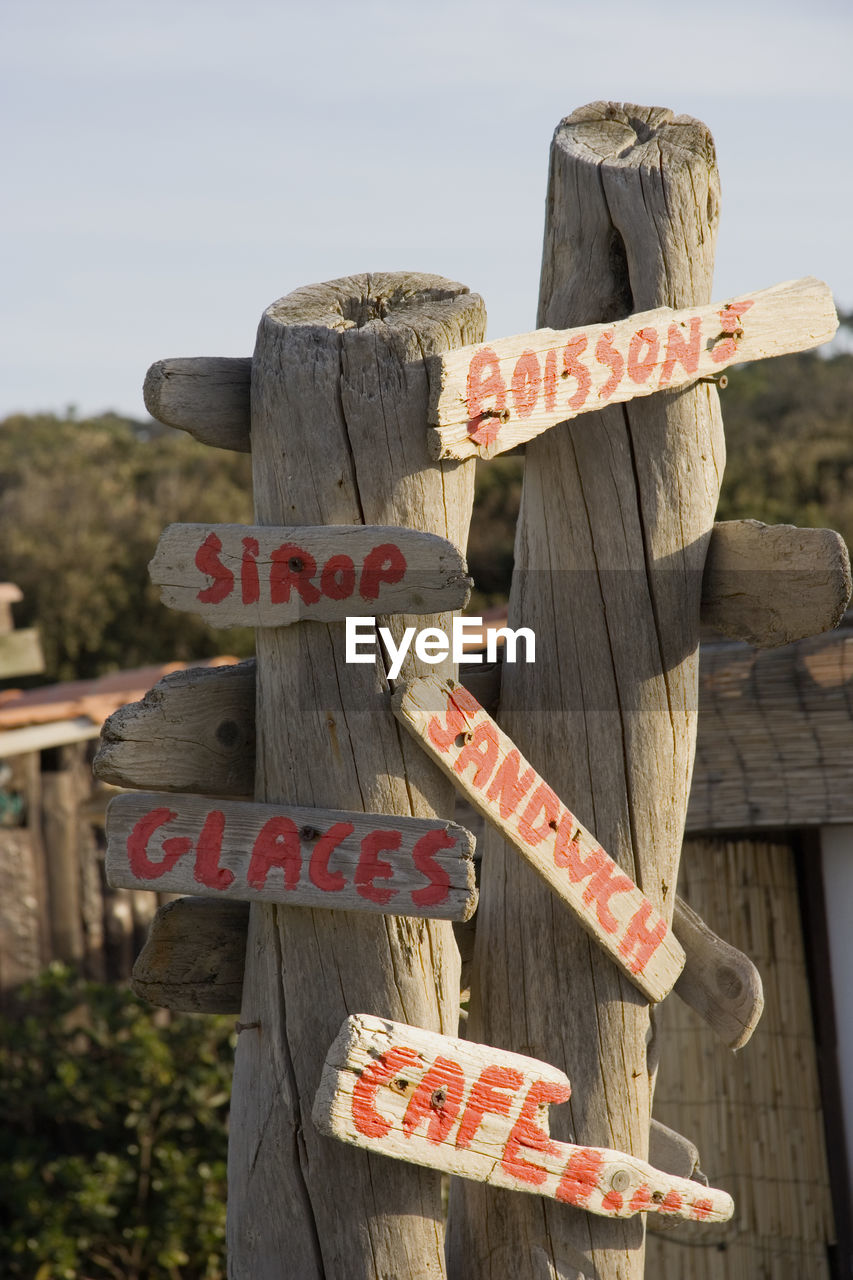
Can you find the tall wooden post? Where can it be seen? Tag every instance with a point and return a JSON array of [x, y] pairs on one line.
[[616, 512], [339, 405]]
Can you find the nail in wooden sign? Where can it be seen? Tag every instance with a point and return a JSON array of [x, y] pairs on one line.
[[490, 397], [494, 777], [289, 854], [482, 1113], [238, 575]]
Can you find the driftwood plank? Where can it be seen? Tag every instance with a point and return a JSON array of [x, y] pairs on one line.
[[493, 396], [207, 396], [495, 778], [193, 732], [239, 575], [194, 956], [721, 983], [482, 1113], [772, 584], [291, 854]]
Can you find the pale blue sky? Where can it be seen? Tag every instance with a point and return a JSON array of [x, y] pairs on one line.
[[172, 168]]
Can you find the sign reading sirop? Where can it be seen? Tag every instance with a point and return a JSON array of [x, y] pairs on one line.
[[289, 854], [482, 1113], [238, 575], [493, 396], [494, 777]]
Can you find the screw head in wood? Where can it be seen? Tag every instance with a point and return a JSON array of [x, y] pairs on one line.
[[621, 1180]]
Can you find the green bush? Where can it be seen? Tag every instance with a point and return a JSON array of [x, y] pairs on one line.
[[114, 1145]]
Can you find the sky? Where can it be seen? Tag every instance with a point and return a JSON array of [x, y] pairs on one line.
[[173, 168]]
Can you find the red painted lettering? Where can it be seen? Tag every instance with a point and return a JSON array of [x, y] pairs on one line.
[[385, 563], [550, 380], [249, 584], [423, 856], [640, 943], [439, 1096], [527, 1134], [680, 352], [207, 869], [526, 383], [572, 368], [641, 1199], [506, 787], [581, 1176], [605, 883], [567, 851], [460, 703], [365, 1116], [701, 1209], [606, 354], [292, 567], [337, 581], [481, 750], [644, 341], [612, 1201], [730, 324], [318, 868], [370, 867], [485, 383], [544, 801], [277, 845], [207, 559], [137, 845], [672, 1202], [486, 1098]]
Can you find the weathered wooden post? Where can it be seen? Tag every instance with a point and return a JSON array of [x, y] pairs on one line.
[[339, 403], [616, 514]]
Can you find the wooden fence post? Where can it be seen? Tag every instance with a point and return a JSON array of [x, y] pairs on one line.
[[615, 518], [339, 404]]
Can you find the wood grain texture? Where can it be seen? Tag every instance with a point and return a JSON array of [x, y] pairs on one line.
[[490, 398], [328, 858], [721, 984], [483, 1113], [241, 576], [755, 1116], [615, 519], [488, 769], [207, 396], [339, 396], [194, 956], [772, 584]]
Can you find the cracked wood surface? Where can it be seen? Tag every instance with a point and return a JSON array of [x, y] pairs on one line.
[[493, 397], [339, 396], [482, 1113], [207, 396], [615, 519], [234, 575]]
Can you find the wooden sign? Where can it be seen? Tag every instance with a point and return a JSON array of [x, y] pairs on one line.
[[482, 1113], [289, 854], [490, 397], [238, 575], [495, 778]]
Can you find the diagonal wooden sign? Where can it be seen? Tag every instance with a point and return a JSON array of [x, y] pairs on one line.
[[290, 854], [492, 396], [264, 576], [482, 1113], [494, 777]]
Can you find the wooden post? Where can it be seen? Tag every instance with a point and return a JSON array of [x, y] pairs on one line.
[[615, 518], [339, 407]]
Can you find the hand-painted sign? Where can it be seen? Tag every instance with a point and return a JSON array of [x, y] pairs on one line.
[[495, 778], [482, 1113], [236, 575], [493, 396], [283, 853]]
